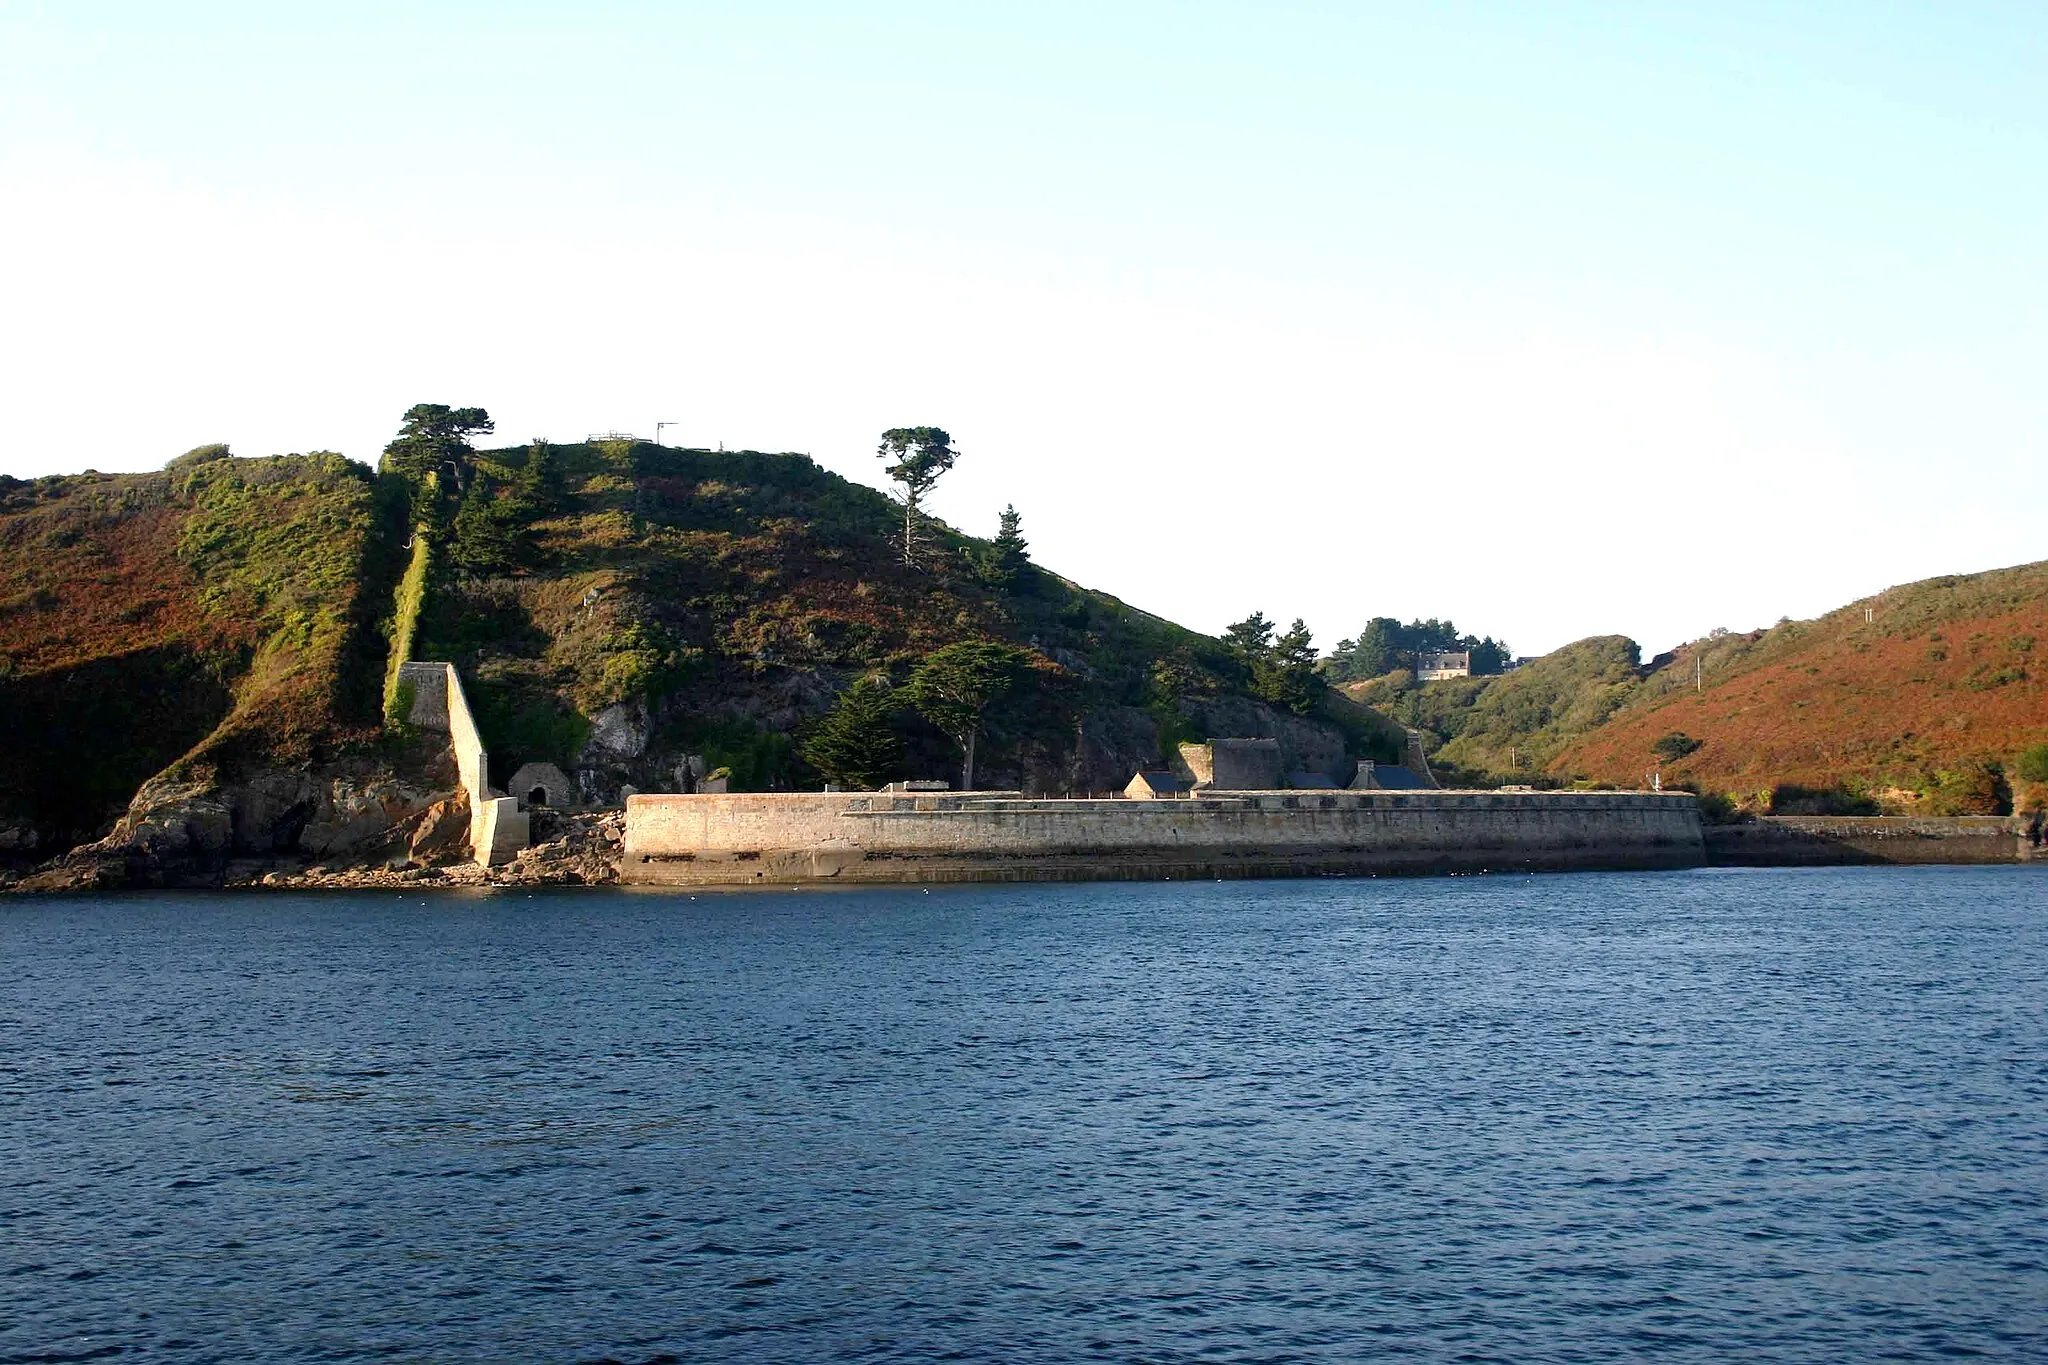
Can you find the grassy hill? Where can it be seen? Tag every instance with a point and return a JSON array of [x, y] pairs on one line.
[[1920, 699], [1491, 730], [198, 619], [221, 631], [690, 601]]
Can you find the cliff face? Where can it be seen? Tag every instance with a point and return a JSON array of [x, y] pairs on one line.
[[197, 654]]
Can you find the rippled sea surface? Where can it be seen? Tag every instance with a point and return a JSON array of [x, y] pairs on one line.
[[1797, 1115]]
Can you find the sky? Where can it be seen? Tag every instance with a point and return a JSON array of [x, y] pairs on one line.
[[1555, 319]]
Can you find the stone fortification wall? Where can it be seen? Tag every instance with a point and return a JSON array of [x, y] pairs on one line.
[[775, 838], [497, 827], [1837, 840], [1232, 765]]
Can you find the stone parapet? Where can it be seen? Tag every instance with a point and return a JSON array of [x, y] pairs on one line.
[[783, 838]]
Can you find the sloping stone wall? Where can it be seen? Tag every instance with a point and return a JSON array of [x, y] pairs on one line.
[[498, 829]]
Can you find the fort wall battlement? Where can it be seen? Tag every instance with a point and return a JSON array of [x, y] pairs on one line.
[[498, 829], [774, 838]]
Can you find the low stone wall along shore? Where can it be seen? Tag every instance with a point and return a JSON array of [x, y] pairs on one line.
[[1848, 840], [777, 839]]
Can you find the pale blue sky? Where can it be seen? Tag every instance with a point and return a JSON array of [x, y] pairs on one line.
[[1556, 318]]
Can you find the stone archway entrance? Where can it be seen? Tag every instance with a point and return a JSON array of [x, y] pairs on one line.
[[543, 786]]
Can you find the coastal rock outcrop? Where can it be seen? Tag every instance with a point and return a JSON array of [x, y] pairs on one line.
[[188, 830]]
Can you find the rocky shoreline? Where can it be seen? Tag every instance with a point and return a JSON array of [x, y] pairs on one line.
[[568, 850]]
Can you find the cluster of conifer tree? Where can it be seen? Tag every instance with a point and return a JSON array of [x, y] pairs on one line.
[[482, 511], [1385, 645]]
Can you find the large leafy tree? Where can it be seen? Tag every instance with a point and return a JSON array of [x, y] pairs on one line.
[[918, 456], [958, 687], [854, 744]]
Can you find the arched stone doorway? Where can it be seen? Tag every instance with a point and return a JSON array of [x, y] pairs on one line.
[[543, 786]]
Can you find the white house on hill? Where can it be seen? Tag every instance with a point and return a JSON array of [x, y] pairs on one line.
[[1437, 667]]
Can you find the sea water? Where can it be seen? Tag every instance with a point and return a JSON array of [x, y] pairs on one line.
[[1776, 1115]]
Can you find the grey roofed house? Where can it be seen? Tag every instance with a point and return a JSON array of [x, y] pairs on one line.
[[1152, 786], [1311, 782], [1387, 777]]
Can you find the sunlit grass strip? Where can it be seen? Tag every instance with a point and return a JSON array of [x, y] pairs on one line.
[[412, 595]]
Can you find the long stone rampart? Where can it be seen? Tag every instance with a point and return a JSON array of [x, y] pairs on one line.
[[498, 829], [761, 838], [1848, 840]]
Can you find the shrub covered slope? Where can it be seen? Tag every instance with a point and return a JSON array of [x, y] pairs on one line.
[[662, 603], [209, 617], [1927, 698], [223, 631]]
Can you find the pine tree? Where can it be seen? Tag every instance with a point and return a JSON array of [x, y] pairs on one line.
[[921, 455], [1281, 671], [1007, 558], [540, 480], [486, 539], [956, 689], [854, 744], [435, 440], [1011, 547]]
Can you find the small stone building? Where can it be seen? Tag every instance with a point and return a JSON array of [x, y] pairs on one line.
[[1394, 777], [1158, 786], [1233, 765], [543, 784]]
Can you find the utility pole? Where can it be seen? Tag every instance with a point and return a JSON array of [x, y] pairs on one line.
[[1699, 673], [657, 429]]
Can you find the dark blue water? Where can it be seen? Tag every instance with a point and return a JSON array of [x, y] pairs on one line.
[[1695, 1116]]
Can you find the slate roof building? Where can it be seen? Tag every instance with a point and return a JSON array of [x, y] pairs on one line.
[[1158, 786], [1392, 777]]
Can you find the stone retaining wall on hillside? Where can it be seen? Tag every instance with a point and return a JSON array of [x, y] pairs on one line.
[[771, 838], [498, 829]]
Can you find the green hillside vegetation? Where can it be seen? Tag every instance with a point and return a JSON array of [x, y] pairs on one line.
[[222, 636], [1926, 698], [1486, 731], [720, 601], [207, 619]]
